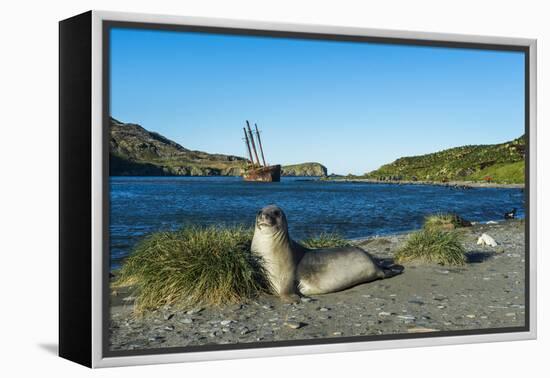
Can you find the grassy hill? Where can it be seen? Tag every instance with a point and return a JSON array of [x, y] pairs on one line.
[[500, 163], [135, 151]]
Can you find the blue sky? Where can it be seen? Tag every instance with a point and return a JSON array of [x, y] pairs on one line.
[[350, 106]]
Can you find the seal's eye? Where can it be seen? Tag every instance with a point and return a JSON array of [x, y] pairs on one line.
[[259, 212], [277, 213]]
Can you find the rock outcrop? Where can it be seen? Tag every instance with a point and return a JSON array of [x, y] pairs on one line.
[[305, 169]]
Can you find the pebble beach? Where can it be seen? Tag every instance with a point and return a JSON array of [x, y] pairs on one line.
[[486, 293]]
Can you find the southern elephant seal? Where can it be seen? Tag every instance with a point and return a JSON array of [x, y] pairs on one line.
[[294, 269]]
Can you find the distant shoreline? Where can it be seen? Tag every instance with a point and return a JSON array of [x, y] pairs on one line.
[[328, 179], [450, 184]]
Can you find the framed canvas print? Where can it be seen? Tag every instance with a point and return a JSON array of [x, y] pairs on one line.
[[233, 189]]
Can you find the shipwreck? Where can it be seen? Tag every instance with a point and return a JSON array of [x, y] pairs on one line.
[[256, 171]]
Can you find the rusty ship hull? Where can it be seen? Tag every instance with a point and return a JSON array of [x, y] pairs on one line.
[[257, 171], [271, 173]]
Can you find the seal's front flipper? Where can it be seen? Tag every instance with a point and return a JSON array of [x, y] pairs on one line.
[[393, 270]]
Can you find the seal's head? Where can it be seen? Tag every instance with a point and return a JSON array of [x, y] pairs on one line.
[[271, 220]]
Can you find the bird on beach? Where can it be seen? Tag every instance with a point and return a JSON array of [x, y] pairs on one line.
[[510, 214]]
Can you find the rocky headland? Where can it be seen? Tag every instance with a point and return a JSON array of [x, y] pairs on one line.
[[304, 169], [135, 151]]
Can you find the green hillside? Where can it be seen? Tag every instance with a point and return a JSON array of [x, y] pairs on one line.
[[499, 163]]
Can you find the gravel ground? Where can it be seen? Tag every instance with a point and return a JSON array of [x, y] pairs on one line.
[[488, 292]]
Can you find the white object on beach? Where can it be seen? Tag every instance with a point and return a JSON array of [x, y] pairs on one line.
[[491, 222], [485, 239]]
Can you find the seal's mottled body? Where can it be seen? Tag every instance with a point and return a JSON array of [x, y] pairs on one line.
[[293, 268], [322, 271]]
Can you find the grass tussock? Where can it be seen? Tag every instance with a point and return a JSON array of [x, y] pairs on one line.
[[198, 266], [194, 266], [325, 240], [442, 222], [433, 246]]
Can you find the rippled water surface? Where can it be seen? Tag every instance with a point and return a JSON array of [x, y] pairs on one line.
[[141, 205]]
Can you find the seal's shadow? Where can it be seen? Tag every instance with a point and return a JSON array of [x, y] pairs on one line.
[[473, 257], [478, 256]]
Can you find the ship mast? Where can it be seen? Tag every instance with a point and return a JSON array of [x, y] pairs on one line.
[[260, 144], [252, 142], [248, 146]]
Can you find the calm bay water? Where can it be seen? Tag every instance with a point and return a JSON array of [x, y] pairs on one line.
[[141, 205]]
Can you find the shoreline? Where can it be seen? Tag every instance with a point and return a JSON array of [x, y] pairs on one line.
[[487, 292], [450, 184], [343, 179]]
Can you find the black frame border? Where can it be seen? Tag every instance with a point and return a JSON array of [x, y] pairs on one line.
[[107, 25], [75, 189]]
